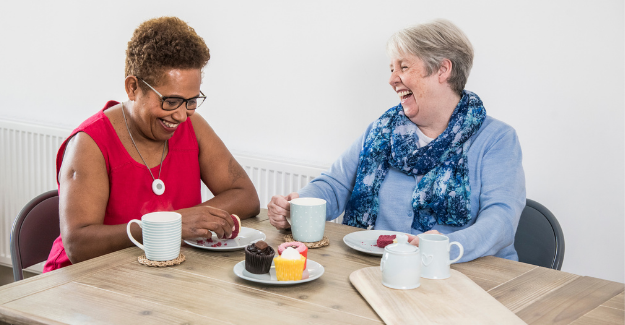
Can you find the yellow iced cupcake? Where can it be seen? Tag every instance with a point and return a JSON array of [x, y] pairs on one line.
[[290, 265]]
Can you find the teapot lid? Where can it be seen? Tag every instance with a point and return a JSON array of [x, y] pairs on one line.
[[402, 245]]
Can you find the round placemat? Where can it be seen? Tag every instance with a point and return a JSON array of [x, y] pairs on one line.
[[144, 260], [323, 242]]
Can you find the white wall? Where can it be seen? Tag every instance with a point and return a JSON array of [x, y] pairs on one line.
[[299, 81]]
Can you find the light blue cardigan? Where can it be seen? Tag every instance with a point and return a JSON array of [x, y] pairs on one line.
[[497, 193]]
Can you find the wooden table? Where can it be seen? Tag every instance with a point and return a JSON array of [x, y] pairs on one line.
[[115, 288]]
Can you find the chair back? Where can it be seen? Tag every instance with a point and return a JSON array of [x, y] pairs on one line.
[[539, 239], [34, 231]]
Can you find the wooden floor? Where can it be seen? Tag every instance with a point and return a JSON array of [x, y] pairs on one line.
[[6, 275]]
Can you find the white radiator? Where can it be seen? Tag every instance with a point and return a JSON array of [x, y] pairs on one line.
[[27, 169], [273, 177]]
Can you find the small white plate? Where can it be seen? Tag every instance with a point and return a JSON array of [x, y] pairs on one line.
[[314, 270], [246, 236], [367, 241]]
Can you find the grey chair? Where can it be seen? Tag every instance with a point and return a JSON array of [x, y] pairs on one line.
[[539, 239], [34, 231]]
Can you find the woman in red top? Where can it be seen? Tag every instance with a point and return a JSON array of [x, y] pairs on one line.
[[148, 154]]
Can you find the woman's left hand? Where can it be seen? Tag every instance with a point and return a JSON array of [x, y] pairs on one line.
[[414, 240]]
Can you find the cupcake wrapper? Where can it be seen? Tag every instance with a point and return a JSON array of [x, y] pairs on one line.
[[289, 270], [258, 264]]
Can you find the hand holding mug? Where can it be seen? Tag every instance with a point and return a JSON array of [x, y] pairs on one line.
[[414, 240], [279, 210]]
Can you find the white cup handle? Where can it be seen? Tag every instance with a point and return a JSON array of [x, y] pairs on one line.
[[288, 219], [459, 247], [130, 234]]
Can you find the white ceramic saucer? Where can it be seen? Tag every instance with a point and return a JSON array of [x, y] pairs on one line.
[[314, 270], [246, 236]]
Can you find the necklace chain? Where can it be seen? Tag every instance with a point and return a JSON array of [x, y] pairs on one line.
[[139, 152]]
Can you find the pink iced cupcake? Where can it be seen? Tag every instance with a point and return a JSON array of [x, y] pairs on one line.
[[301, 248]]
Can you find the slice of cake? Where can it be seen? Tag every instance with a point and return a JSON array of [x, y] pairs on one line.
[[385, 240], [237, 226]]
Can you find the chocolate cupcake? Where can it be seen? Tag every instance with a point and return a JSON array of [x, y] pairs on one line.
[[258, 257]]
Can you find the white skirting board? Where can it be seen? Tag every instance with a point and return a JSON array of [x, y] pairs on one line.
[[27, 169]]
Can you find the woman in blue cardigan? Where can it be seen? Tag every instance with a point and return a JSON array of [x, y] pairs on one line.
[[435, 163]]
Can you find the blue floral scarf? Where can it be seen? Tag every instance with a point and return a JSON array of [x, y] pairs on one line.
[[443, 194]]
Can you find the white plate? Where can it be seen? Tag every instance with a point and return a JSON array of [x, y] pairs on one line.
[[366, 241], [246, 236], [314, 270]]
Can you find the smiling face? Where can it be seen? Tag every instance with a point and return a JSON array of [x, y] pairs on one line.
[[151, 121], [415, 88]]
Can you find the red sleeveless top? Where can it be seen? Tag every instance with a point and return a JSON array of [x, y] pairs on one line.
[[130, 183]]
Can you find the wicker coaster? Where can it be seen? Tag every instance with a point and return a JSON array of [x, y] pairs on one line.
[[323, 242], [144, 260]]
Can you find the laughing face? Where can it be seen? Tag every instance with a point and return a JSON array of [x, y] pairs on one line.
[[415, 88], [152, 121]]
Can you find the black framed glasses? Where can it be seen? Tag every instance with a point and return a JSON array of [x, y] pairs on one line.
[[172, 103]]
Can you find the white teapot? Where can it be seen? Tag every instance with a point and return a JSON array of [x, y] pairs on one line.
[[401, 265]]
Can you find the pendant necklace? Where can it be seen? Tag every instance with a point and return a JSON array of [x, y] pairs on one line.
[[158, 186]]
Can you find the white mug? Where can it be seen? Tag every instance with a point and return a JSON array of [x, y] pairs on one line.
[[401, 265], [162, 234], [435, 255]]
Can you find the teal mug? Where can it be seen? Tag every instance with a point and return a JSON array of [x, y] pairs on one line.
[[308, 219]]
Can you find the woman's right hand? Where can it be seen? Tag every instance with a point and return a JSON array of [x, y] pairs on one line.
[[200, 220], [414, 240], [279, 209]]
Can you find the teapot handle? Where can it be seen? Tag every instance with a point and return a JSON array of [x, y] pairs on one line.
[[384, 258]]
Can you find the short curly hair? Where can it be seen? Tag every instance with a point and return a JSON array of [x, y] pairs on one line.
[[161, 44]]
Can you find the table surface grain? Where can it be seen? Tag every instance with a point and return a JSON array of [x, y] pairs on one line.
[[115, 288]]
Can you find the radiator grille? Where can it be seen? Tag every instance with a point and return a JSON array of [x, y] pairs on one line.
[[27, 169]]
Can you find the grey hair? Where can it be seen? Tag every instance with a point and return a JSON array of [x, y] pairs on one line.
[[433, 42]]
